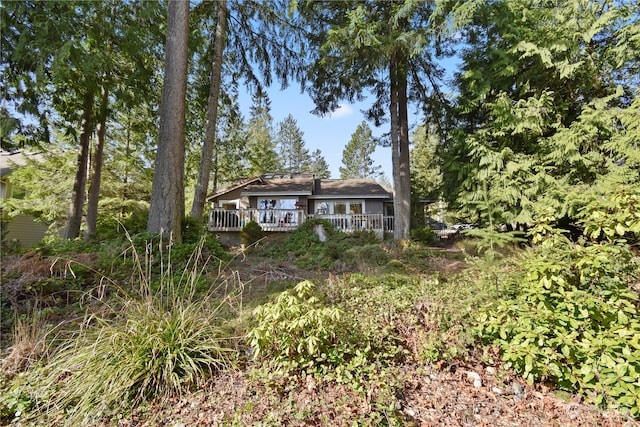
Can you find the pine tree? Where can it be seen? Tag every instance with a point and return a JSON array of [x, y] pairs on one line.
[[261, 148], [426, 177], [543, 98], [167, 196], [356, 156], [319, 166], [293, 154], [386, 48]]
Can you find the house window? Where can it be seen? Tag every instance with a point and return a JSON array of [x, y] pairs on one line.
[[355, 208], [267, 211], [229, 204], [322, 208], [340, 208], [268, 204]]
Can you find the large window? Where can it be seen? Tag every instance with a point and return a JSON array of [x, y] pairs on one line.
[[340, 208], [280, 211]]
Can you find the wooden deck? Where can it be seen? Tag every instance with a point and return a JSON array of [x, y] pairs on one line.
[[283, 220]]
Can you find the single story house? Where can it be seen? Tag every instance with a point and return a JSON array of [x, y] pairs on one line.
[[22, 229], [280, 202]]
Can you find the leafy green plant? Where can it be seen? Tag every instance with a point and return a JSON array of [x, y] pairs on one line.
[[304, 248], [297, 335], [424, 235], [572, 318], [296, 331], [15, 400]]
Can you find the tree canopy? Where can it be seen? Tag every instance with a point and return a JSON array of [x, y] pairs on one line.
[[539, 119]]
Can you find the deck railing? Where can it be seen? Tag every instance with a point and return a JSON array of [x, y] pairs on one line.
[[269, 219], [222, 220]]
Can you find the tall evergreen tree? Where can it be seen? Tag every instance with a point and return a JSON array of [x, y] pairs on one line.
[[383, 47], [65, 63], [356, 156], [426, 176], [261, 147], [204, 171], [294, 157], [260, 44], [230, 152], [166, 211], [319, 166]]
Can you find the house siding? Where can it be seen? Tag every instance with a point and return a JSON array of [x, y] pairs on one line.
[[27, 231], [373, 206], [243, 202]]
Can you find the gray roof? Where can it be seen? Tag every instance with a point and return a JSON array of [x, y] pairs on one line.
[[238, 184], [304, 184], [292, 184], [350, 188]]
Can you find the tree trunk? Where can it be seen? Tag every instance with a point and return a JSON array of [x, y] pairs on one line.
[[167, 194], [400, 147], [96, 172], [395, 152], [204, 174], [74, 217], [403, 149]]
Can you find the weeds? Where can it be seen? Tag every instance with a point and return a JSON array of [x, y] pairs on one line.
[[155, 341]]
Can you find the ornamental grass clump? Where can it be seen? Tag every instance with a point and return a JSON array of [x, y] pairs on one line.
[[156, 341]]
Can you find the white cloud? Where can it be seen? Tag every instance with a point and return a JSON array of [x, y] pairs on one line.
[[342, 111]]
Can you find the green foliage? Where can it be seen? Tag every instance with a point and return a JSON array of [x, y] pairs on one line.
[[357, 155], [298, 335], [113, 226], [426, 177], [296, 331], [304, 247], [15, 400], [570, 317], [614, 217], [155, 341], [251, 233], [294, 156], [552, 122], [424, 235], [372, 254]]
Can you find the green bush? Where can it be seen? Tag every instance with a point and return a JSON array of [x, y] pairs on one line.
[[306, 250], [297, 332], [572, 318], [251, 233], [298, 335], [113, 227], [372, 254], [424, 235]]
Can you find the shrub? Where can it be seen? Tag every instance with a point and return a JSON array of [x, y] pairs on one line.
[[251, 233], [424, 235], [306, 250], [372, 254], [298, 335], [572, 318], [113, 226], [296, 332]]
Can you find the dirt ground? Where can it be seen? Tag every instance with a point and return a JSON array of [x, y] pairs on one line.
[[447, 397]]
